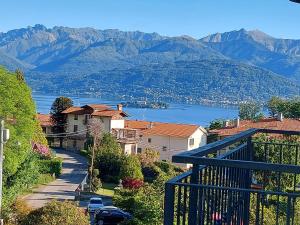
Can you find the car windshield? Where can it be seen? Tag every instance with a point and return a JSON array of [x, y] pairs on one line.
[[96, 201]]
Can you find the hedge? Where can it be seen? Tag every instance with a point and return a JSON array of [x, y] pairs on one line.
[[51, 166]]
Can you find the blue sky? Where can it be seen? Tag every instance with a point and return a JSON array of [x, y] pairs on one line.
[[196, 18]]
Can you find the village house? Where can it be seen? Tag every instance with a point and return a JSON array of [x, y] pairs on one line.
[[274, 123], [45, 122], [112, 121], [168, 138]]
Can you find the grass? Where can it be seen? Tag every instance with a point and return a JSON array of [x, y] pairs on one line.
[[43, 179], [107, 189]]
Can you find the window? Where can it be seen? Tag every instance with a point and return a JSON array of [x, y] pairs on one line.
[[44, 129], [164, 148], [75, 128], [191, 141], [139, 150], [75, 117], [149, 140]]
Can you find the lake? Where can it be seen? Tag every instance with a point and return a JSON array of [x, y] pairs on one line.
[[176, 113]]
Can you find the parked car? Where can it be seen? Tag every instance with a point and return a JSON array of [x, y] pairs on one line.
[[95, 204], [110, 215]]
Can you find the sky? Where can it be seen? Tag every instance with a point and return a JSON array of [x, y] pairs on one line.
[[197, 18]]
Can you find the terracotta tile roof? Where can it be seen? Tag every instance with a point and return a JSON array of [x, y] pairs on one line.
[[73, 109], [267, 123], [109, 113], [162, 129], [44, 119], [139, 124], [98, 106]]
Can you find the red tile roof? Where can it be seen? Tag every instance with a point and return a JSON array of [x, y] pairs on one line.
[[162, 129], [44, 119], [109, 113], [95, 110], [267, 123]]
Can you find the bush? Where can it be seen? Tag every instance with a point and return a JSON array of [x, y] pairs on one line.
[[19, 211], [51, 166], [130, 183], [57, 213], [131, 168], [151, 173], [84, 152]]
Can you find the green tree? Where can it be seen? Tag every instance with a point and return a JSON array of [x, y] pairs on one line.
[[131, 168], [145, 204], [18, 110], [59, 119], [108, 158], [276, 105], [250, 111], [57, 213], [216, 124]]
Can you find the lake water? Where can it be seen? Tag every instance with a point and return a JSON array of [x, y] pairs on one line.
[[176, 113]]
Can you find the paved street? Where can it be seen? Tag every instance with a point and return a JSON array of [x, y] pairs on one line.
[[63, 188]]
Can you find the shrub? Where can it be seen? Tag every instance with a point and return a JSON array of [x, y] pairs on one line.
[[148, 157], [151, 173], [51, 166], [57, 213], [18, 212], [130, 183], [131, 168]]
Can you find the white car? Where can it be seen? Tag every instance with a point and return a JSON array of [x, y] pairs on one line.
[[95, 204]]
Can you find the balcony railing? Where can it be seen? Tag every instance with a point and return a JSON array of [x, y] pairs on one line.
[[249, 178], [125, 134]]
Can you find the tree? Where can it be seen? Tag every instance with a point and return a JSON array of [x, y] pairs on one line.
[[145, 204], [20, 75], [108, 158], [60, 104], [289, 108], [18, 110], [250, 111], [216, 124], [57, 213], [131, 168], [96, 130], [148, 157]]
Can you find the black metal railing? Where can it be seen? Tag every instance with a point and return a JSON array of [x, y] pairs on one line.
[[249, 178]]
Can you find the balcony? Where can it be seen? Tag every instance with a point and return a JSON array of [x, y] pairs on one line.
[[249, 178], [125, 135]]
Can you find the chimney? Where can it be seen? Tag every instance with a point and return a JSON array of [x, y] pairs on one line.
[[280, 117], [237, 122], [151, 125], [120, 107]]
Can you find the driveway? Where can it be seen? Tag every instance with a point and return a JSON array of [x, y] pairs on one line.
[[63, 188]]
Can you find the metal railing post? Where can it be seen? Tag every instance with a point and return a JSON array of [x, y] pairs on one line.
[[169, 204], [193, 196], [248, 177]]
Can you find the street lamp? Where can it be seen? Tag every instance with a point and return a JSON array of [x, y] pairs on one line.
[[4, 136]]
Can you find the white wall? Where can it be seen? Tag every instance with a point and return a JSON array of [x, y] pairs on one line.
[[174, 145], [117, 124]]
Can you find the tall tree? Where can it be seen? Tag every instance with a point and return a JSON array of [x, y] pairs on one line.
[[60, 104], [250, 111]]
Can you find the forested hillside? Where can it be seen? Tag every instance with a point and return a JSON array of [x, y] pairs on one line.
[[134, 65]]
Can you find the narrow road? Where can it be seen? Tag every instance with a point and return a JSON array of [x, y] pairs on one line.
[[63, 188]]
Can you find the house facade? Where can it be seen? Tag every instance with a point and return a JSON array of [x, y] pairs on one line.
[[167, 138], [110, 120]]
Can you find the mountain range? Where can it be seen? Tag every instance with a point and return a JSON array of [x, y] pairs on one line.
[[220, 68]]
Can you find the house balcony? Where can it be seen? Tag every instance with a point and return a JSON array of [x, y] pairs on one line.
[[126, 135], [249, 178]]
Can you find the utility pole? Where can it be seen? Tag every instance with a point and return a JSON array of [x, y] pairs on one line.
[[4, 136]]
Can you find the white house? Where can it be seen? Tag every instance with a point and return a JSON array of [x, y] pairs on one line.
[[168, 138], [112, 120]]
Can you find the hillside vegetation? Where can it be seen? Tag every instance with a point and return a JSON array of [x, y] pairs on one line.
[[102, 62]]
